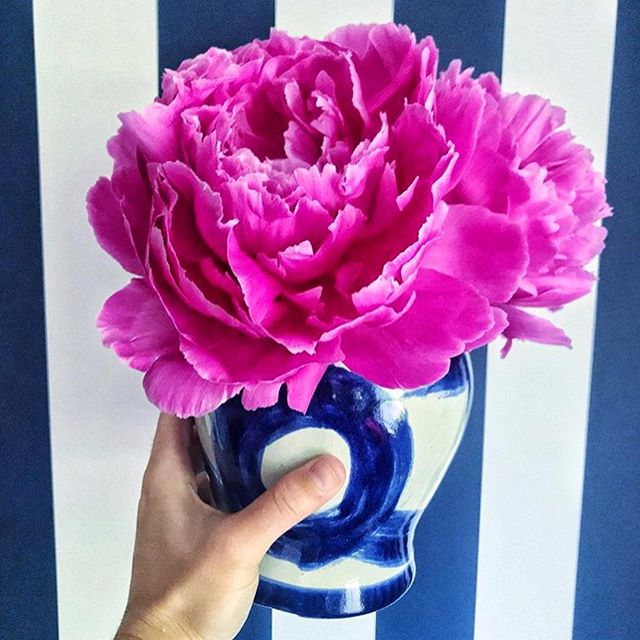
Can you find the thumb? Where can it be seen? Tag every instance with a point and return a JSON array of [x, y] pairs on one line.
[[294, 497]]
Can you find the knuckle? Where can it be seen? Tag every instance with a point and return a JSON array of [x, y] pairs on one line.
[[153, 487], [149, 482], [285, 499]]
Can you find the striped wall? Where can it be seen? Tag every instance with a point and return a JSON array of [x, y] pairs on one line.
[[93, 59], [533, 458], [533, 534], [27, 557], [607, 600]]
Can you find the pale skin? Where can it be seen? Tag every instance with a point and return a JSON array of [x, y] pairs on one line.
[[195, 568]]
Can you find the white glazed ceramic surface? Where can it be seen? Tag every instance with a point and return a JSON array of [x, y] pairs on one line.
[[365, 576]]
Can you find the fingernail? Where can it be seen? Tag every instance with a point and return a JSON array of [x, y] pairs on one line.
[[324, 474]]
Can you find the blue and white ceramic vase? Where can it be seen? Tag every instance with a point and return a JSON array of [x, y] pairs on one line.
[[355, 555]]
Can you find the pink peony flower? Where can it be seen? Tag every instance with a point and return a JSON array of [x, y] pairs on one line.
[[295, 203]]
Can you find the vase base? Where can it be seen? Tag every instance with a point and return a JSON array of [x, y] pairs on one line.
[[333, 603]]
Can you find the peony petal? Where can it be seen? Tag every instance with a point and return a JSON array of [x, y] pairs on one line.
[[386, 205], [144, 138], [459, 110], [500, 323], [482, 248], [321, 185], [556, 289], [135, 325], [227, 356], [416, 349], [264, 394], [260, 289], [525, 326], [180, 294], [489, 181], [196, 77], [110, 225], [302, 385], [176, 200], [276, 227], [412, 159], [530, 119], [584, 244], [173, 385], [132, 185], [425, 90], [151, 132], [300, 145], [387, 62], [344, 229], [197, 228]]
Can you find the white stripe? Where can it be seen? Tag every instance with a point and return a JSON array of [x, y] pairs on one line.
[[537, 398], [93, 59], [316, 18]]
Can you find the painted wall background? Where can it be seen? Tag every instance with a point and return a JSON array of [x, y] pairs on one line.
[[533, 534]]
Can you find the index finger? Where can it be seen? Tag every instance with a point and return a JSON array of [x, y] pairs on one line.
[[170, 450]]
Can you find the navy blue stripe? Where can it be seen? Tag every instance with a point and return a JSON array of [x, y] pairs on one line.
[[441, 603], [27, 553], [184, 30], [608, 582]]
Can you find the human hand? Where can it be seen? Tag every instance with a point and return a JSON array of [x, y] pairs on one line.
[[195, 569]]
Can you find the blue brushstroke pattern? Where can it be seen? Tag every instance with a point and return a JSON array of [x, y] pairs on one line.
[[365, 525], [381, 455]]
